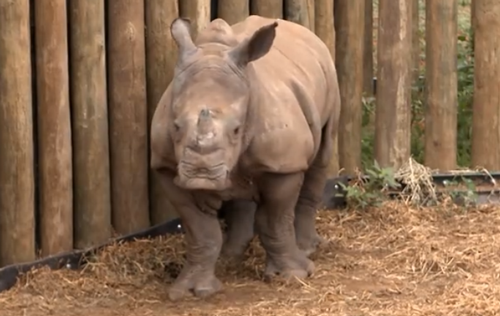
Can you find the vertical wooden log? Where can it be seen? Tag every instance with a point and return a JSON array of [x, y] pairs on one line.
[[472, 14], [92, 202], [349, 25], [128, 115], [393, 109], [198, 11], [54, 127], [267, 8], [416, 40], [368, 49], [17, 186], [441, 84], [472, 22], [324, 28], [311, 11], [297, 11], [161, 55], [233, 11], [486, 104]]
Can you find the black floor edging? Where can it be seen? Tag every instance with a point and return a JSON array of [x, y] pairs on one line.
[[333, 198], [76, 259]]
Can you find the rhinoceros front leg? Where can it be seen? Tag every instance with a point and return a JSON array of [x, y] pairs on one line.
[[274, 220], [203, 237], [239, 218], [305, 212]]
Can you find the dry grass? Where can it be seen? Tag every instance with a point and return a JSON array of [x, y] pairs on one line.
[[393, 260], [419, 185]]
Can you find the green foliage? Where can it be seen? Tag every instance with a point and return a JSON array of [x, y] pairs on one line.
[[372, 191], [465, 68], [465, 94], [464, 3], [367, 132], [381, 184], [467, 197]]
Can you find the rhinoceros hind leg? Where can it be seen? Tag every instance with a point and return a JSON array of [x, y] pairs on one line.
[[275, 226], [239, 217], [310, 197], [311, 193]]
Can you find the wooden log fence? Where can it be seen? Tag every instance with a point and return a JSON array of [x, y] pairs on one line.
[[74, 156], [17, 174], [161, 54], [325, 29], [128, 115], [486, 105], [349, 16], [233, 11], [441, 85], [89, 113], [267, 8], [368, 49], [53, 141], [393, 107]]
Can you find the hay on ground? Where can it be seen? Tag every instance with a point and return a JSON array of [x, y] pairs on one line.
[[391, 260]]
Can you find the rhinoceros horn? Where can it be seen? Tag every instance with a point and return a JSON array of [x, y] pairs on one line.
[[204, 127]]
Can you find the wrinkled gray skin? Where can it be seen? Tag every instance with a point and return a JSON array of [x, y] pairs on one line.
[[249, 116]]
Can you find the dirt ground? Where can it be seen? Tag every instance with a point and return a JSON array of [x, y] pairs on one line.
[[392, 260]]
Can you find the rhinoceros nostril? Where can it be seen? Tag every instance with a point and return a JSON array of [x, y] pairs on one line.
[[206, 136]]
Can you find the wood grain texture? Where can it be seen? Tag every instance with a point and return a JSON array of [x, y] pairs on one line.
[[92, 201], [161, 55], [267, 8], [17, 187], [233, 11], [325, 29], [198, 11], [349, 25], [368, 51], [55, 166], [416, 40], [486, 107], [441, 84], [297, 11], [394, 60], [128, 115]]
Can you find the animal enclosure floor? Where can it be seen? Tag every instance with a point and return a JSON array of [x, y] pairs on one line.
[[391, 260]]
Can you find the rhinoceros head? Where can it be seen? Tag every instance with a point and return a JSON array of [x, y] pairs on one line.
[[210, 101]]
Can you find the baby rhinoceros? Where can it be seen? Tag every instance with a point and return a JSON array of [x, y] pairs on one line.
[[250, 114]]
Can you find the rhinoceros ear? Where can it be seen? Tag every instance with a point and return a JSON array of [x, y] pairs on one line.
[[181, 33], [254, 47]]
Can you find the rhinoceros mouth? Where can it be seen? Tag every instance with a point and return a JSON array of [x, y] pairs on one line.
[[192, 177]]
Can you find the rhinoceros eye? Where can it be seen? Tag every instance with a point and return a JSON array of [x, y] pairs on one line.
[[234, 126], [177, 125]]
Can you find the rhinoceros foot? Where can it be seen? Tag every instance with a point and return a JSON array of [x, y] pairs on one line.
[[309, 242], [200, 282], [284, 266], [234, 253]]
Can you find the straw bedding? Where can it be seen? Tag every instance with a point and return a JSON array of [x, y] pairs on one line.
[[390, 260]]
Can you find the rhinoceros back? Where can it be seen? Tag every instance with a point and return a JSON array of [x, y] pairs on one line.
[[291, 84]]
